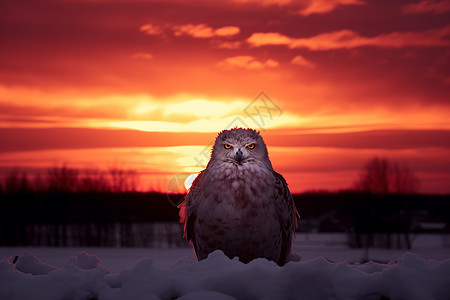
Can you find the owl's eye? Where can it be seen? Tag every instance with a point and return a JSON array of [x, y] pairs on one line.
[[227, 146], [251, 146]]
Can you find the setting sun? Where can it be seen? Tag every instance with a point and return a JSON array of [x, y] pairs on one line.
[[188, 182]]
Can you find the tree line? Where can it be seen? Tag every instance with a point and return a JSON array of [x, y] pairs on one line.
[[70, 180], [91, 207], [68, 207]]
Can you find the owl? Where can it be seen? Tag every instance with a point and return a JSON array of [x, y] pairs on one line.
[[239, 204]]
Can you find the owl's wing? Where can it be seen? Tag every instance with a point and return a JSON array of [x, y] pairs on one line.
[[287, 213], [188, 207]]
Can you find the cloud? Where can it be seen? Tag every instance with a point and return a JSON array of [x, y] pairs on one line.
[[265, 2], [348, 39], [301, 61], [227, 31], [143, 55], [246, 62], [229, 45], [205, 31], [193, 30], [325, 6], [151, 29], [270, 38], [427, 6]]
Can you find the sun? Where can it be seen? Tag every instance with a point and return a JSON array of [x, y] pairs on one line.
[[189, 180]]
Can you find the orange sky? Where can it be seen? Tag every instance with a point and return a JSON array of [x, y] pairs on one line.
[[148, 84]]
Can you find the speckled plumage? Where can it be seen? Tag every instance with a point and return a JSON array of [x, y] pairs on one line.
[[239, 204]]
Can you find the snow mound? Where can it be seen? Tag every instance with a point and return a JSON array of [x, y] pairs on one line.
[[29, 263], [218, 277]]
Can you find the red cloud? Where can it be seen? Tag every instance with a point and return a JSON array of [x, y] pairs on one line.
[[246, 62], [325, 6], [151, 29], [143, 55], [204, 31], [193, 30], [265, 2], [347, 39], [425, 6], [301, 61]]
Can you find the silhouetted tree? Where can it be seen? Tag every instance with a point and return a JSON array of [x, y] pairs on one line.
[[93, 180], [62, 179], [123, 180], [375, 214], [17, 182], [40, 184], [404, 180], [381, 176]]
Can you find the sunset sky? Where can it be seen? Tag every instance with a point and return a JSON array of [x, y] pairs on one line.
[[146, 85]]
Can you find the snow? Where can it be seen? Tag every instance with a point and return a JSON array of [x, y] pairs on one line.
[[331, 246], [327, 271], [218, 277]]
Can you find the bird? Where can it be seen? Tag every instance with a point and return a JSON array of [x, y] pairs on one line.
[[238, 204]]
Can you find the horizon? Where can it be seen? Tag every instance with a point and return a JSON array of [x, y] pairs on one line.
[[147, 85], [64, 179]]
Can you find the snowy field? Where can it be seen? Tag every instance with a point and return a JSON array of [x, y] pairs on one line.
[[328, 270]]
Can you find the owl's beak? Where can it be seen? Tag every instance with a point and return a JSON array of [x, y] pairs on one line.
[[239, 155]]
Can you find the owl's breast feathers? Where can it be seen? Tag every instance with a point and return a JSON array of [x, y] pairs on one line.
[[245, 211]]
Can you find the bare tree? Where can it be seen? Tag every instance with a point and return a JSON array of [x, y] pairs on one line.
[[381, 176], [123, 180], [17, 182], [94, 180], [62, 179], [404, 181]]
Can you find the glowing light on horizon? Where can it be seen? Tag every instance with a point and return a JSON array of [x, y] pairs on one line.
[[197, 113], [205, 108], [207, 124], [189, 180]]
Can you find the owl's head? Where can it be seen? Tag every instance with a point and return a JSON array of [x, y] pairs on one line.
[[240, 146]]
